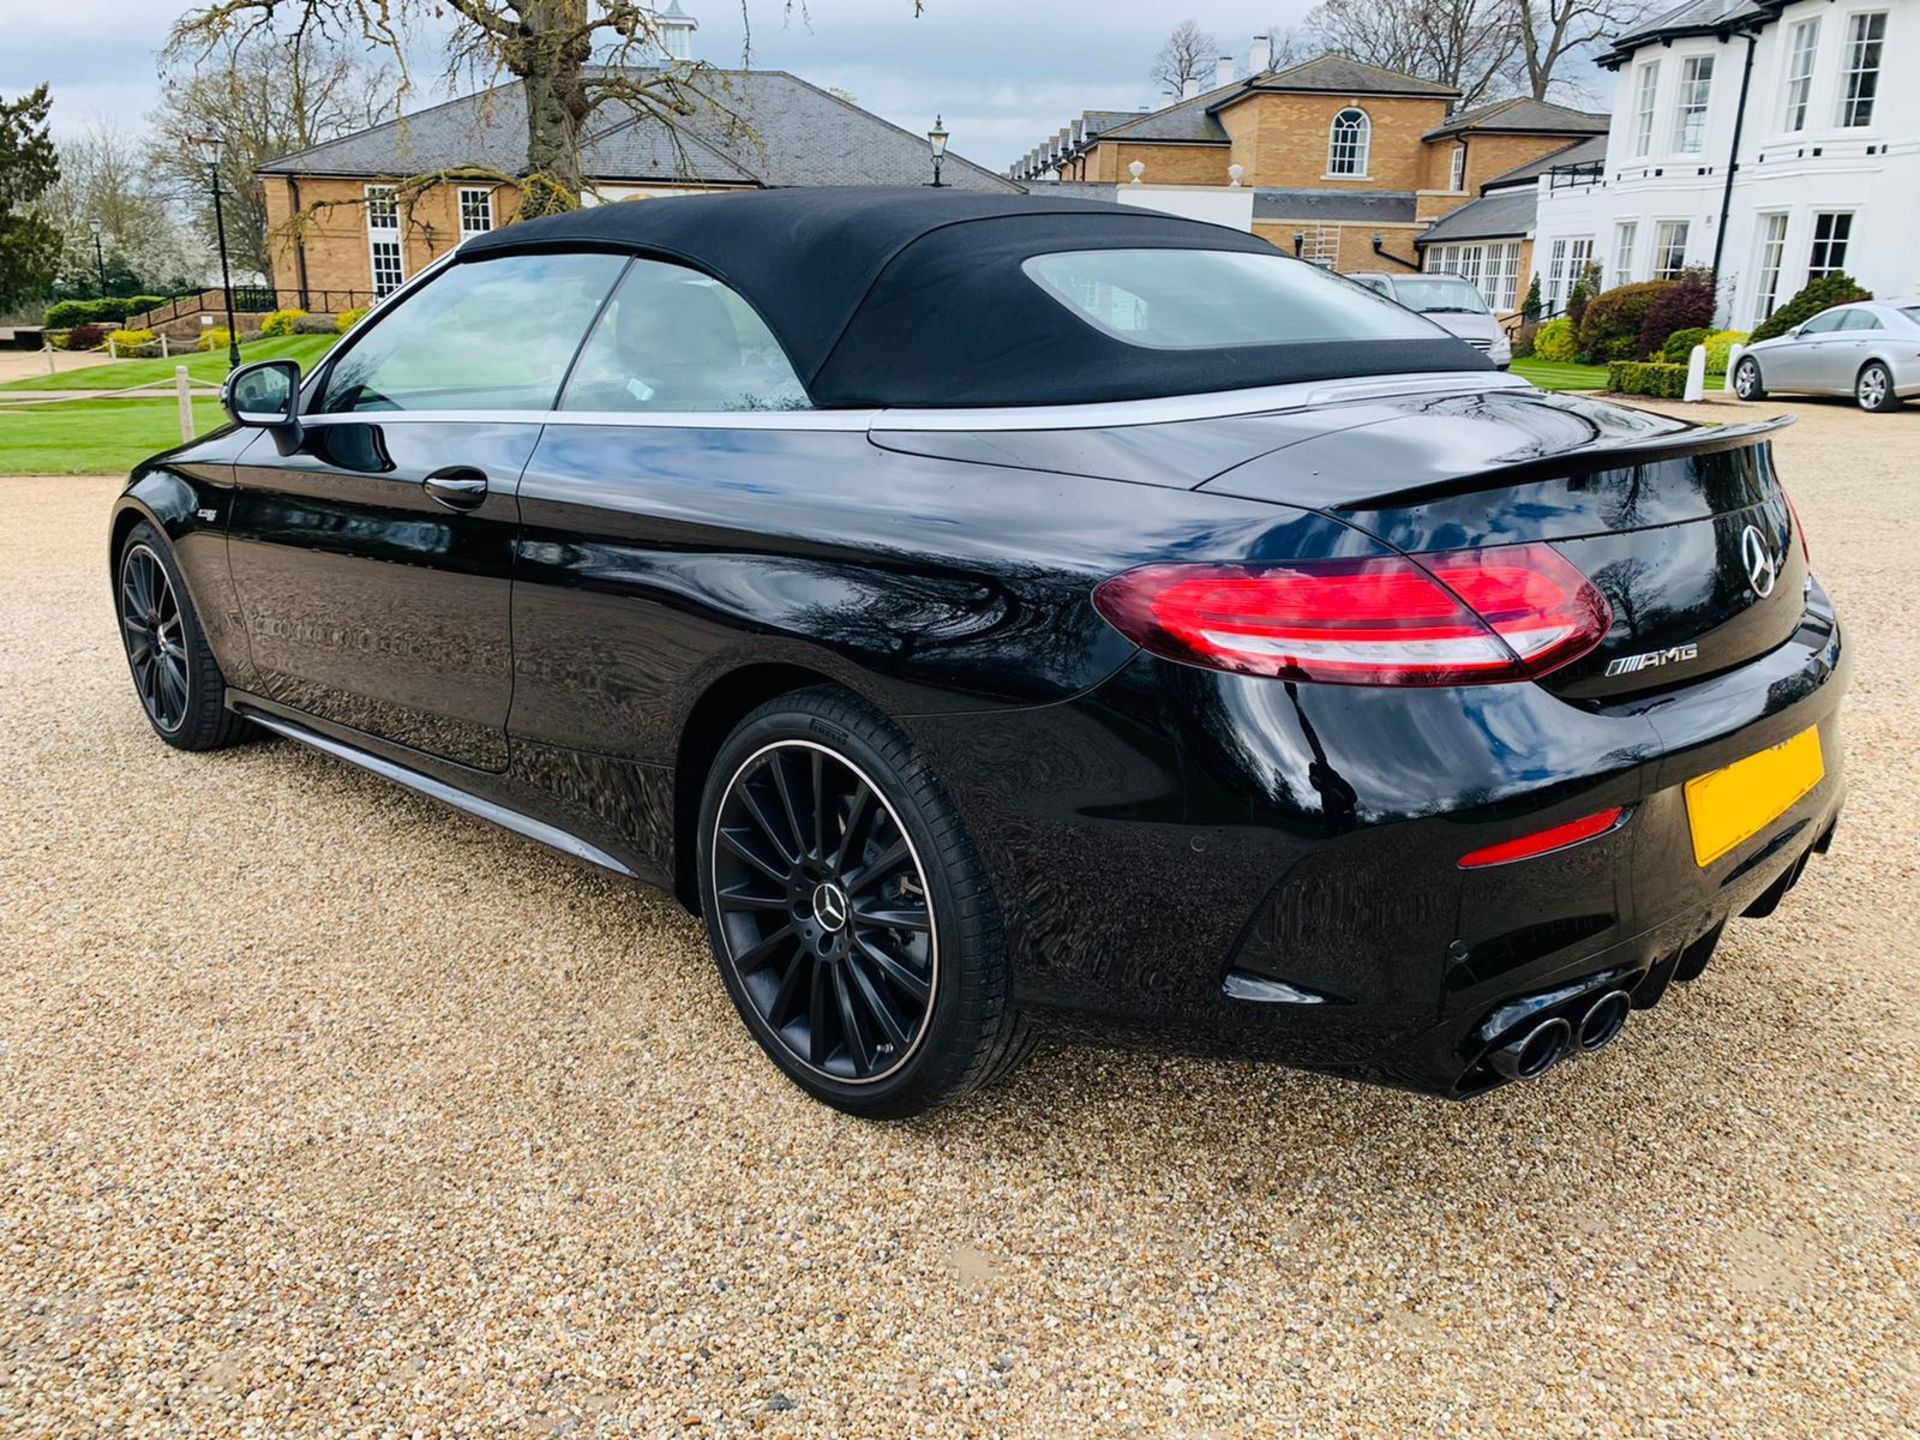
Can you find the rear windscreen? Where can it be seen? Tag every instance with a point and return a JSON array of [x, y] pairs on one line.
[[1217, 299]]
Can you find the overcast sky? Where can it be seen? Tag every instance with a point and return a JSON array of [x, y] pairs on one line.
[[1004, 73]]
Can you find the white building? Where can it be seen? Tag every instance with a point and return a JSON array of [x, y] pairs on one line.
[[1810, 107]]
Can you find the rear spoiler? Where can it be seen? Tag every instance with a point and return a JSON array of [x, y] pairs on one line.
[[1601, 455]]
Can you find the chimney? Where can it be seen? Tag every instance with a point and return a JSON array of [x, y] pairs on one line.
[[1078, 130], [1223, 72], [1189, 89], [1260, 58]]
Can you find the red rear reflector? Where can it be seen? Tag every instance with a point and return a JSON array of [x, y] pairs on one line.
[[1541, 842], [1461, 617]]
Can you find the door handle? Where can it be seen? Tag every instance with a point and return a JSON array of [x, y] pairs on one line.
[[458, 487]]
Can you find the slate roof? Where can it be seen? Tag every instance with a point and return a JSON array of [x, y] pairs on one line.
[[1196, 121], [1581, 152], [1379, 207], [783, 132], [1505, 214], [1525, 116], [1694, 17]]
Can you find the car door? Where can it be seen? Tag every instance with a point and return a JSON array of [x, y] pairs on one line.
[[1842, 356], [372, 562], [1798, 364]]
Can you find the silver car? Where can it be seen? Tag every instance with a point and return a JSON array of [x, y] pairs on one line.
[[1869, 350], [1452, 302]]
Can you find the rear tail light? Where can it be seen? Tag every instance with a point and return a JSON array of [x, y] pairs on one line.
[[1461, 617], [1543, 842]]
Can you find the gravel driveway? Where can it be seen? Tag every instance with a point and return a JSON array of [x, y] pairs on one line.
[[327, 1111]]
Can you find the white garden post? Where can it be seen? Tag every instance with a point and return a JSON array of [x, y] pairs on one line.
[[1697, 374], [1733, 363], [113, 350], [183, 387], [164, 352]]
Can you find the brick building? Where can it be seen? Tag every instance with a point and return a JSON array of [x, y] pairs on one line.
[[767, 128], [1350, 164]]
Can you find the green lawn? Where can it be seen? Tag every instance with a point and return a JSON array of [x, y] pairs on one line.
[[94, 437], [1550, 376], [210, 368]]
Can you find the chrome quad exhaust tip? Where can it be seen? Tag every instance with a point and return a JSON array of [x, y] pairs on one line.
[[1605, 1018]]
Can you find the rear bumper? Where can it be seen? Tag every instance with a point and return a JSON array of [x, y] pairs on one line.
[[1272, 869]]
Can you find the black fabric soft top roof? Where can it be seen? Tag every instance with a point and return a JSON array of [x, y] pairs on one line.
[[896, 297]]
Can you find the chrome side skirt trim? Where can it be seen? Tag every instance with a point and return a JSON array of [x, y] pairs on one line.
[[549, 835]]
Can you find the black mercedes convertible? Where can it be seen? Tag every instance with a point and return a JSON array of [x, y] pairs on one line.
[[986, 608]]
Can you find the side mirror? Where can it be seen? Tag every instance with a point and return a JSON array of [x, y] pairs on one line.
[[1794, 333], [265, 394]]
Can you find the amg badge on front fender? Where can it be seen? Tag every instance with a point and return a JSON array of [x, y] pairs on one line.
[[1672, 655]]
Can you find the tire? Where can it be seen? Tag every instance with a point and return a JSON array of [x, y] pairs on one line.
[[1873, 389], [1746, 380], [175, 676], [817, 817]]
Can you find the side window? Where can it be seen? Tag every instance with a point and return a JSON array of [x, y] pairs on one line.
[[1861, 320], [674, 340], [483, 335], [1823, 322]]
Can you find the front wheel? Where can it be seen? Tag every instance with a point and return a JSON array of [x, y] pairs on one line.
[[1874, 388], [1746, 380], [174, 672], [850, 915]]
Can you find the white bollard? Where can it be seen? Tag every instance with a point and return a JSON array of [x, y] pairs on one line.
[[165, 354], [52, 369], [113, 350], [1733, 363], [183, 387], [1697, 374]]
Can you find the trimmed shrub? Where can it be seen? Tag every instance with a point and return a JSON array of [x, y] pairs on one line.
[[114, 308], [125, 340], [281, 322], [1586, 285], [1523, 338], [347, 319], [1719, 349], [1554, 341], [214, 338], [1679, 347], [86, 337], [315, 325], [1610, 328], [1634, 377], [1530, 308], [1686, 304], [1821, 294]]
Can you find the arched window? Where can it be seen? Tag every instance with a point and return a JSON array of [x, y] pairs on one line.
[[1347, 143]]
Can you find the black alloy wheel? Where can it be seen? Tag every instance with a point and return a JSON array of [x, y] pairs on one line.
[[174, 673], [850, 915], [823, 908], [153, 627]]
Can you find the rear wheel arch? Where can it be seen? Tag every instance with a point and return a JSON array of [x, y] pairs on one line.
[[725, 702], [1892, 400]]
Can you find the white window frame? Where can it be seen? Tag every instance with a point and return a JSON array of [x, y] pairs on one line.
[[473, 202], [1770, 253], [1352, 148], [1457, 175], [1567, 258], [1803, 54], [1848, 110], [383, 241], [1626, 239], [1666, 244], [1835, 260], [1646, 98], [1690, 104]]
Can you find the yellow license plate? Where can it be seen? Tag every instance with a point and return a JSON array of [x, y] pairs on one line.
[[1737, 803]]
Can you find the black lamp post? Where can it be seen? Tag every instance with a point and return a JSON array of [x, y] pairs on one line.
[[211, 144], [99, 258], [937, 142]]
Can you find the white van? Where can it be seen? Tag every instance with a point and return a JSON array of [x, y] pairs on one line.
[[1449, 301]]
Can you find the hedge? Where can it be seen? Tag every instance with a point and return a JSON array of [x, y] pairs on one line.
[[1610, 330], [1719, 347], [347, 319], [1821, 294], [117, 308], [1554, 341], [1634, 377], [315, 325], [281, 322], [1679, 347], [127, 340]]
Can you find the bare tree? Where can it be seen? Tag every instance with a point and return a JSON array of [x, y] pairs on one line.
[[105, 181], [1551, 30], [1291, 45], [1189, 54], [263, 98], [1470, 44], [572, 57]]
